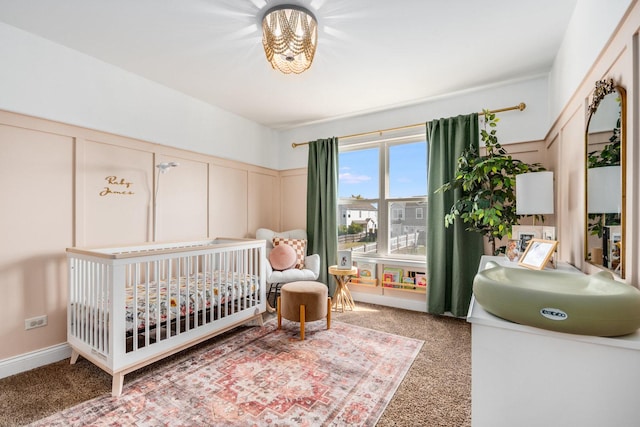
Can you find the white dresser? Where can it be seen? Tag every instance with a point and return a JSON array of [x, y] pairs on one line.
[[524, 376]]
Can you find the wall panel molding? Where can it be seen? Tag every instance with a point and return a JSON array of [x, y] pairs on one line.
[[56, 173]]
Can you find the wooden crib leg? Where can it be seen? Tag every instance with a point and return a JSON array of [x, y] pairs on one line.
[[116, 385], [74, 357]]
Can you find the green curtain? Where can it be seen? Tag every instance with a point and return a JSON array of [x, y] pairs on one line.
[[322, 201], [453, 253]]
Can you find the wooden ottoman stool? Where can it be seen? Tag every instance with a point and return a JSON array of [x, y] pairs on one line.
[[304, 301]]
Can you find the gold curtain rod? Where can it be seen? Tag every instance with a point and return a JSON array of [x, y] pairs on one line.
[[520, 107]]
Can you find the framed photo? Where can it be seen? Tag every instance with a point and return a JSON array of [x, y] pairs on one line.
[[538, 253], [344, 260], [548, 232], [614, 237], [513, 249], [524, 233]]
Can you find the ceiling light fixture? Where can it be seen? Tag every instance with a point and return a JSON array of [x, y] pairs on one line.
[[289, 38]]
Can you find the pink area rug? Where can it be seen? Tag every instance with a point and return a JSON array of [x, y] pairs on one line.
[[264, 377]]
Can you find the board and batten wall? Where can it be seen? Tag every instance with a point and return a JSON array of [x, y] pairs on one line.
[[566, 153], [64, 185]]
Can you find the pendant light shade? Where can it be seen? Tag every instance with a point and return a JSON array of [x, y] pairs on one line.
[[289, 38]]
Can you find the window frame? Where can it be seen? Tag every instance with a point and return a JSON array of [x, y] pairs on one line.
[[384, 201]]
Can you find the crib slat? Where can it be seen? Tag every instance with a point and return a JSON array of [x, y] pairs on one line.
[[100, 310], [134, 310], [170, 315], [156, 278], [193, 268], [147, 303]]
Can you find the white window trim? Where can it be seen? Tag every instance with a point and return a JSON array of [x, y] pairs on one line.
[[384, 201]]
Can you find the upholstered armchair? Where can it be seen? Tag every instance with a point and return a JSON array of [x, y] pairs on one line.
[[278, 276]]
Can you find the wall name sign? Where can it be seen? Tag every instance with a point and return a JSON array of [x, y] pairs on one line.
[[120, 187]]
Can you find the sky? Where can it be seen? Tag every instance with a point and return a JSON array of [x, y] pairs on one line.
[[358, 173]]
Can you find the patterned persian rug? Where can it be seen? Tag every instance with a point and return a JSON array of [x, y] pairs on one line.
[[261, 376]]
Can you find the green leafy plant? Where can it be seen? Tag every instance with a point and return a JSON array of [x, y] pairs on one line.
[[488, 182]]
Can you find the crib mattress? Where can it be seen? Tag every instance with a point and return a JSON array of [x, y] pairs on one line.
[[182, 296]]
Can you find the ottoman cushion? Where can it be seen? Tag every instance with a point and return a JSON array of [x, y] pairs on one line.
[[313, 295]]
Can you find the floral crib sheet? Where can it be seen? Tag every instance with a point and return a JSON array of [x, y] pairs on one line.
[[179, 297]]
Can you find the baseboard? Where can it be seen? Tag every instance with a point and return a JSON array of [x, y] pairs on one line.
[[406, 304], [34, 359]]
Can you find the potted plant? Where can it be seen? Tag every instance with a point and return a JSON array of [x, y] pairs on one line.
[[488, 186]]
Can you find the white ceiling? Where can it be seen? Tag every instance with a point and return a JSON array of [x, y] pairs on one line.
[[372, 54]]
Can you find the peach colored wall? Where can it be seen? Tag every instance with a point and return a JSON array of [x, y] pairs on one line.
[[293, 188], [36, 224], [114, 186], [229, 182], [571, 191], [264, 201], [182, 202], [65, 186]]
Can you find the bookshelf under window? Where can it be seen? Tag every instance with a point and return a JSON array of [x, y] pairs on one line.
[[392, 282]]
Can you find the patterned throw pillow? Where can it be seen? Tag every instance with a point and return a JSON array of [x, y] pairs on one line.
[[300, 246]]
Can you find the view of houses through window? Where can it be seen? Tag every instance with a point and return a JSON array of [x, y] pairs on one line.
[[383, 197]]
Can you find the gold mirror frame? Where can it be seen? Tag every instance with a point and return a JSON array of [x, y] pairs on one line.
[[602, 89]]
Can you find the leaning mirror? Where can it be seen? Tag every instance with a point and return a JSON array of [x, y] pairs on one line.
[[605, 178]]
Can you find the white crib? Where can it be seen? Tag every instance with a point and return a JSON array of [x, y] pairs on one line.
[[131, 306]]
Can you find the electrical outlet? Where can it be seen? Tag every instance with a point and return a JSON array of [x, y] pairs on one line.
[[35, 322]]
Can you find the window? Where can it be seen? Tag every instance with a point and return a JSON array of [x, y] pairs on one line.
[[382, 194]]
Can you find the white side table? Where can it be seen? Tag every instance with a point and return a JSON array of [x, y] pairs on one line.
[[342, 296]]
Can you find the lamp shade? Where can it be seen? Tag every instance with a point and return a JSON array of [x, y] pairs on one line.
[[604, 190], [534, 193]]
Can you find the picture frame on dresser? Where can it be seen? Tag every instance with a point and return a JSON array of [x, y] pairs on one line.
[[538, 253], [524, 233], [513, 250]]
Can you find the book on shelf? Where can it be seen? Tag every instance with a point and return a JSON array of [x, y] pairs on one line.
[[392, 274], [366, 270], [409, 280], [421, 279], [387, 280]]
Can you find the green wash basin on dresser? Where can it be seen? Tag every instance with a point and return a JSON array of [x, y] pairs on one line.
[[565, 302]]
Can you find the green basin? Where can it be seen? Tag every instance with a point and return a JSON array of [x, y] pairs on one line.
[[565, 302]]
